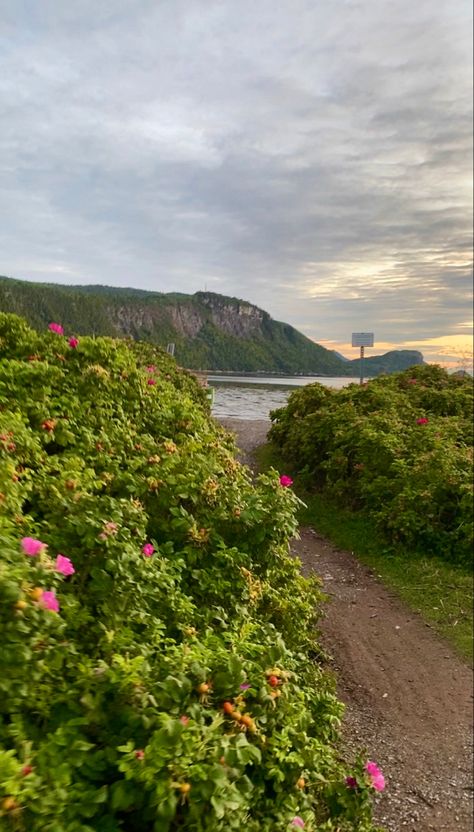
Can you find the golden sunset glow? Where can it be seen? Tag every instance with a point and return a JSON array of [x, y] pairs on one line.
[[451, 351]]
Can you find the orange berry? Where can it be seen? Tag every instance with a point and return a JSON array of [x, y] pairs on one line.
[[228, 707], [247, 721], [237, 716], [36, 593], [204, 687], [301, 783], [184, 788], [8, 804], [273, 681], [20, 605]]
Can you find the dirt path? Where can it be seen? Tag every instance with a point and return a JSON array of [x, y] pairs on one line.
[[409, 697]]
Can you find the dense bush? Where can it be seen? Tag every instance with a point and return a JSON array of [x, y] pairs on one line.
[[159, 666], [399, 446]]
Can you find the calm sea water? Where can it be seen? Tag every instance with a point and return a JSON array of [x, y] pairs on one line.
[[253, 397]]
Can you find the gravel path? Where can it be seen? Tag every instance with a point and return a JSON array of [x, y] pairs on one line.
[[409, 697]]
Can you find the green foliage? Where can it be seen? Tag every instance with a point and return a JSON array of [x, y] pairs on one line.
[[438, 589], [112, 711], [366, 447]]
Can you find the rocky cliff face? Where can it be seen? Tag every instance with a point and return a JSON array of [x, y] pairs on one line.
[[186, 320], [236, 318], [132, 319]]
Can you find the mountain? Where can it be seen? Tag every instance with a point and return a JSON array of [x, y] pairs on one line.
[[390, 362], [210, 331], [340, 355]]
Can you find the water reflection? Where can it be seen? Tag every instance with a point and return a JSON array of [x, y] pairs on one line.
[[241, 397]]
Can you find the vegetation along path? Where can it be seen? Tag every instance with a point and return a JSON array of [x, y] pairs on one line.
[[408, 695]]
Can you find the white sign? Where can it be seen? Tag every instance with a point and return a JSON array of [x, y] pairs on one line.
[[362, 339]]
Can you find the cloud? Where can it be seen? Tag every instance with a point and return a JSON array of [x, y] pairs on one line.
[[312, 157]]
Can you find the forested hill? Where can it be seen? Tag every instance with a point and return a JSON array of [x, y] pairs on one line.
[[210, 331]]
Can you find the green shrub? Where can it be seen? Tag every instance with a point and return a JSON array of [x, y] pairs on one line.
[[399, 446], [167, 682]]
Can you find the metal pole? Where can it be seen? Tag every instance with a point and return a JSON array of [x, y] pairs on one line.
[[361, 365]]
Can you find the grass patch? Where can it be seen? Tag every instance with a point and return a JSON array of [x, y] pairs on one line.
[[441, 592]]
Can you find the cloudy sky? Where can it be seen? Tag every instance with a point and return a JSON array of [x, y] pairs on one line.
[[310, 156]]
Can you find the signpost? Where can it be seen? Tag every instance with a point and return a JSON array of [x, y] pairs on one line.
[[362, 340]]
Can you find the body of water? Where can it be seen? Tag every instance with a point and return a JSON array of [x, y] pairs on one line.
[[253, 397]]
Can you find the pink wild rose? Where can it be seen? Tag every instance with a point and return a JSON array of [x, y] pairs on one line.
[[244, 686], [148, 550], [49, 601], [151, 382], [184, 720], [151, 368], [376, 776], [32, 547], [108, 530], [64, 566], [299, 822], [73, 342], [285, 481], [422, 421], [57, 328], [351, 783]]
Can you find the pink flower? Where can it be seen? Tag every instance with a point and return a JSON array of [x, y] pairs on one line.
[[376, 776], [150, 382], [32, 547], [64, 565], [285, 481], [422, 421], [151, 368], [108, 530], [351, 783], [140, 755], [57, 328], [184, 720], [73, 342], [244, 686], [297, 821], [148, 550], [49, 601]]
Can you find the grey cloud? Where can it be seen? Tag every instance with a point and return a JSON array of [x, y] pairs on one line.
[[306, 156]]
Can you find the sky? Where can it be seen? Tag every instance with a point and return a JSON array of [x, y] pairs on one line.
[[313, 157]]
